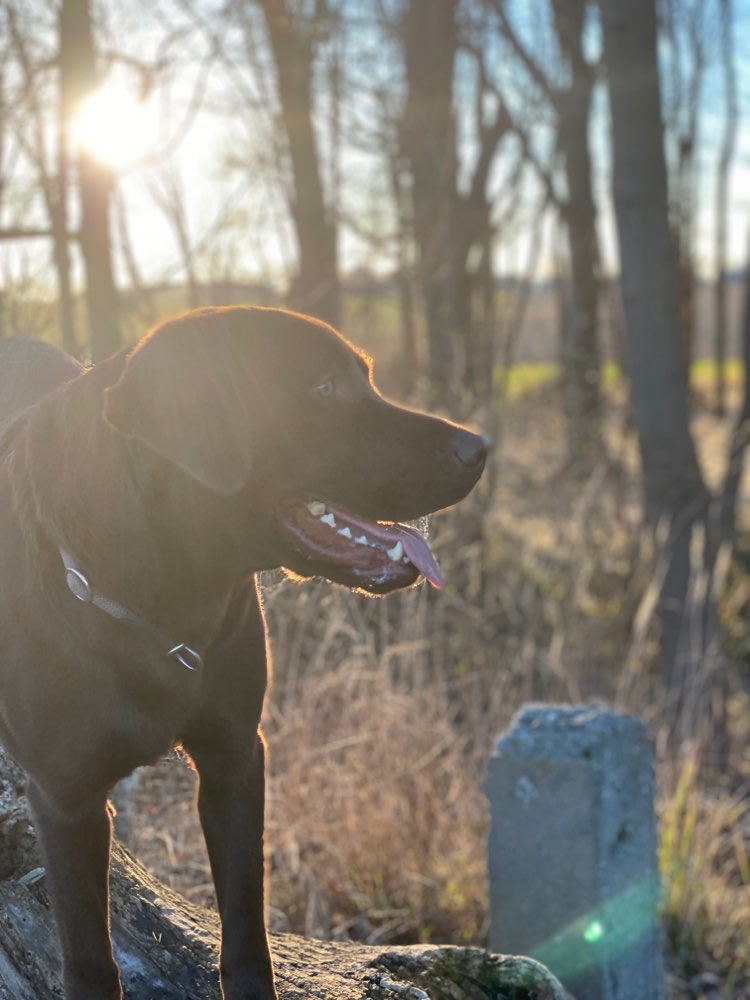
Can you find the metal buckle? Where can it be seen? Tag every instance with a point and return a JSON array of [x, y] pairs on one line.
[[78, 585], [186, 656]]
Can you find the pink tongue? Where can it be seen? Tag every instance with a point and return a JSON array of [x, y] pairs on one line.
[[416, 548], [420, 553]]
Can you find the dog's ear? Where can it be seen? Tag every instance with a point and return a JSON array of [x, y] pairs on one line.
[[182, 394]]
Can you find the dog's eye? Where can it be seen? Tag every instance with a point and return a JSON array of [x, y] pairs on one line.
[[324, 389]]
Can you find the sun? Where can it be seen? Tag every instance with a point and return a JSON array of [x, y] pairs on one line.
[[114, 127]]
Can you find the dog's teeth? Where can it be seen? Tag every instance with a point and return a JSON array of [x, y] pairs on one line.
[[330, 520], [316, 508], [362, 540], [396, 552], [345, 532]]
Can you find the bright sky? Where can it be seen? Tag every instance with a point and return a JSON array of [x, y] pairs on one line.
[[255, 238]]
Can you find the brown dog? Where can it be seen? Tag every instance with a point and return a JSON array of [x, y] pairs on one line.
[[152, 487]]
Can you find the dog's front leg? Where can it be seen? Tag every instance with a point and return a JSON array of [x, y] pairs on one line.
[[75, 846], [230, 802]]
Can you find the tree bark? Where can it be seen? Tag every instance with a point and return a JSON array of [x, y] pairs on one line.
[[581, 349], [726, 521], [472, 231], [428, 142], [676, 497], [404, 280], [722, 201], [316, 287], [95, 181], [58, 211], [673, 480], [685, 31], [167, 948]]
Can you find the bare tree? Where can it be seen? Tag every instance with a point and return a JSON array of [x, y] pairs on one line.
[[374, 204], [689, 28], [567, 90], [452, 205], [676, 497], [429, 145], [168, 193], [722, 191], [35, 66], [294, 40], [474, 229], [60, 57], [79, 77]]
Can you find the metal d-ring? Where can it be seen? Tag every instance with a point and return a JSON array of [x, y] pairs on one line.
[[78, 585], [186, 656]]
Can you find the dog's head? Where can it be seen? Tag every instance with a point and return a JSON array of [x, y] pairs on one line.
[[279, 412]]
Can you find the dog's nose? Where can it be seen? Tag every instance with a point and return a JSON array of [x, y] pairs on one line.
[[470, 449]]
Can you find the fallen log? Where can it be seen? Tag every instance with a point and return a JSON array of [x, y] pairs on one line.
[[167, 947]]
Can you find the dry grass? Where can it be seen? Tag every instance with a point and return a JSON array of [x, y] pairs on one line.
[[705, 863], [382, 714], [374, 819]]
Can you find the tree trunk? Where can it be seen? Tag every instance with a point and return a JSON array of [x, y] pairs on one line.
[[725, 525], [673, 480], [570, 102], [676, 497], [95, 180], [722, 201], [54, 189], [167, 948], [722, 534], [59, 222], [409, 366], [581, 348], [428, 143], [316, 287]]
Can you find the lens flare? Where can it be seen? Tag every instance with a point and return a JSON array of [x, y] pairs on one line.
[[113, 127], [593, 932], [618, 925]]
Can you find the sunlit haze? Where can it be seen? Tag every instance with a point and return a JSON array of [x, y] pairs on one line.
[[114, 127]]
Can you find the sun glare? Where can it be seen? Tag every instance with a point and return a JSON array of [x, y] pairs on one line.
[[112, 126]]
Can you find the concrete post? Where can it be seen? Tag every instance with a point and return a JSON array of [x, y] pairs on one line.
[[572, 850]]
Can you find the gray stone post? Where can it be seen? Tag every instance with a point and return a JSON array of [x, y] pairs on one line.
[[572, 850]]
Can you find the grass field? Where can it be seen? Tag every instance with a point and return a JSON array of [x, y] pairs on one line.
[[382, 714]]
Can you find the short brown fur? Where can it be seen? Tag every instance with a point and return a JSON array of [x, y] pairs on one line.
[[163, 471]]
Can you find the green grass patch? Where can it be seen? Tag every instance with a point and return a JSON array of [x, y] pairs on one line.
[[522, 378], [703, 372]]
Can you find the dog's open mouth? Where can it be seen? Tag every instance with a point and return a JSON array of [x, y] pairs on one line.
[[376, 556]]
